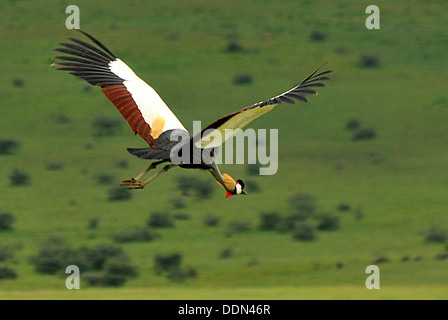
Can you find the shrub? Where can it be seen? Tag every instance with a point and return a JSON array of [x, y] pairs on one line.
[[7, 273], [102, 252], [53, 256], [93, 223], [62, 118], [353, 124], [226, 253], [103, 126], [120, 266], [117, 193], [369, 61], [137, 234], [317, 35], [234, 46], [211, 220], [303, 203], [363, 134], [7, 146], [327, 221], [358, 213], [19, 178], [104, 178], [160, 220], [242, 79], [6, 220], [178, 202], [236, 226], [201, 188], [344, 207], [253, 169], [164, 263], [436, 234], [270, 221], [6, 253], [288, 223], [252, 185], [53, 166], [181, 216], [303, 231], [18, 82], [121, 163]]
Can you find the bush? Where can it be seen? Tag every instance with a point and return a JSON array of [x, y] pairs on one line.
[[181, 216], [304, 232], [101, 253], [436, 234], [344, 207], [242, 79], [234, 46], [363, 134], [7, 146], [327, 222], [226, 253], [317, 35], [117, 193], [180, 274], [253, 169], [121, 163], [252, 185], [160, 220], [353, 124], [53, 256], [178, 202], [7, 273], [211, 220], [288, 223], [303, 203], [19, 178], [18, 82], [120, 266], [53, 166], [103, 126], [369, 61], [6, 253], [201, 188], [167, 262], [104, 178], [62, 118], [270, 221], [236, 226], [137, 234], [6, 220], [93, 223]]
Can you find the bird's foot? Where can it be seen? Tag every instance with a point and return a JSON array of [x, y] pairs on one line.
[[128, 182], [137, 185], [133, 184]]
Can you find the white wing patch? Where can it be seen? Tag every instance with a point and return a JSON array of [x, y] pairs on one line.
[[154, 110]]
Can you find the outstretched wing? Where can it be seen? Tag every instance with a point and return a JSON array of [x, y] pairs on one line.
[[138, 103], [222, 129]]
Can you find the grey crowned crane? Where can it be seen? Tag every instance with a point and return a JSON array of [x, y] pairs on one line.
[[151, 118]]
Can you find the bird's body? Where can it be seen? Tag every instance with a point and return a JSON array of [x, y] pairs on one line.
[[150, 117]]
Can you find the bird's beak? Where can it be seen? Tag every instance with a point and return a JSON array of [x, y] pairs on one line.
[[244, 192]]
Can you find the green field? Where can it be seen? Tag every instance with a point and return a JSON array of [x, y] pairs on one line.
[[399, 178]]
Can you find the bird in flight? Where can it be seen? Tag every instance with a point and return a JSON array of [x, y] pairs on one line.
[[149, 116]]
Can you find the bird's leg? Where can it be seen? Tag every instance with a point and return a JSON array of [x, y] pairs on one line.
[[135, 180], [141, 185]]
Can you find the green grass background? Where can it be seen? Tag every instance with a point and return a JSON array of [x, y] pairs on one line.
[[179, 48]]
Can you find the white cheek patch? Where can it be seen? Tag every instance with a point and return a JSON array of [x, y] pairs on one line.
[[238, 188]]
